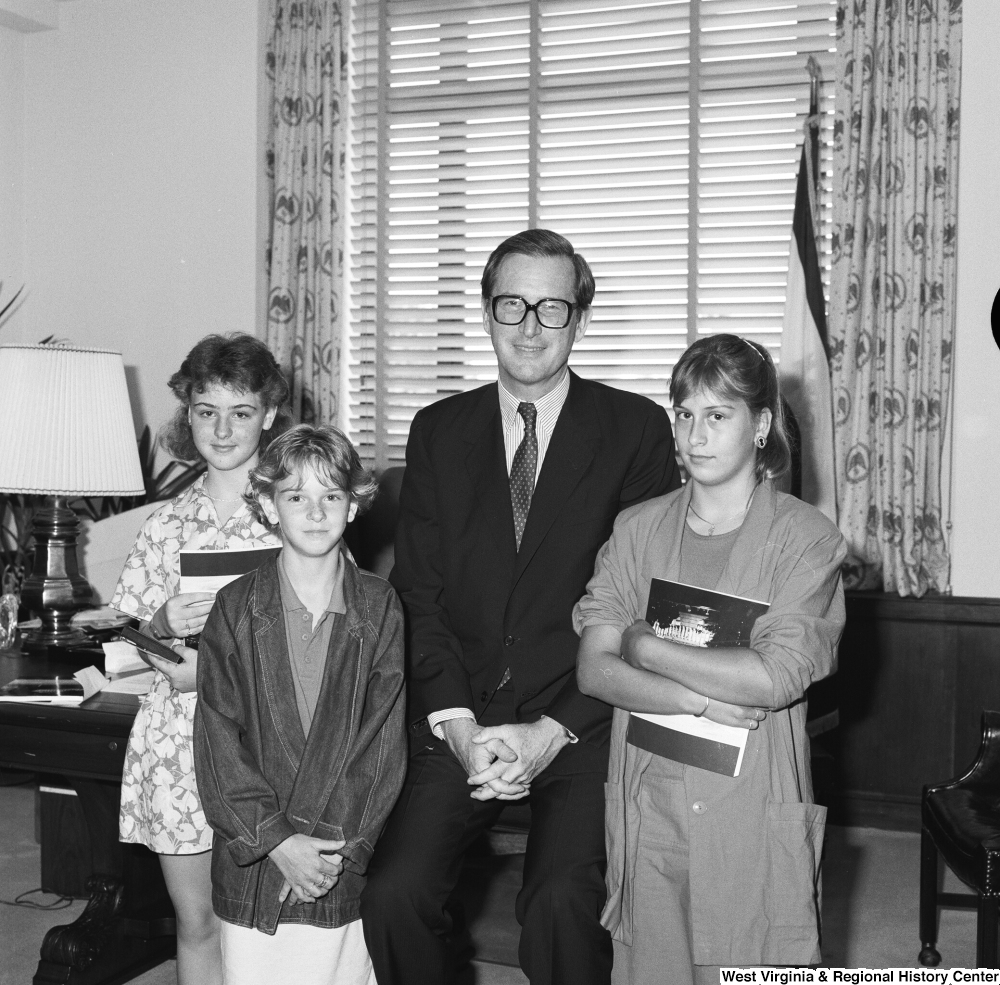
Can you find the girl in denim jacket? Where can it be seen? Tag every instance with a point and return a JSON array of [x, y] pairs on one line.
[[299, 735]]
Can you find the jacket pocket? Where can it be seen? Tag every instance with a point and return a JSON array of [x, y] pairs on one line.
[[328, 832], [794, 845]]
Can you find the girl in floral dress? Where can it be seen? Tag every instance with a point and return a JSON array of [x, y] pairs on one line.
[[231, 393]]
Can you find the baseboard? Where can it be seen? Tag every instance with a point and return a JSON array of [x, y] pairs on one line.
[[858, 809]]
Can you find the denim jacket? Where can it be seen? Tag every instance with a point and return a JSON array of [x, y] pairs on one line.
[[261, 780]]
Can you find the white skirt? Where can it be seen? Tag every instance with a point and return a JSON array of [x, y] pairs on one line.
[[298, 953]]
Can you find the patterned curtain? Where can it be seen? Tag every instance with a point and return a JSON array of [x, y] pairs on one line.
[[893, 284], [307, 65]]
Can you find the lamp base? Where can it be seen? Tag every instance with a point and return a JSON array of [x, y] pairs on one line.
[[55, 590], [38, 640]]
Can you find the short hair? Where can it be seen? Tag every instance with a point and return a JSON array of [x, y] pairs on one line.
[[542, 243], [238, 361], [737, 369], [321, 447]]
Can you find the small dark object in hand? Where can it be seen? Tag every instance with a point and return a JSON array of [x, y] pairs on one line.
[[149, 645]]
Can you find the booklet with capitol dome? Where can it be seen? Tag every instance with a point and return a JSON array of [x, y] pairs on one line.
[[695, 617]]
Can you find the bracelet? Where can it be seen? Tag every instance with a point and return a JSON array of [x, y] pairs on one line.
[[708, 701]]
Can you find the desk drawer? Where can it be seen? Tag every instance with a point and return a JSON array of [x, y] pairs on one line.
[[58, 751]]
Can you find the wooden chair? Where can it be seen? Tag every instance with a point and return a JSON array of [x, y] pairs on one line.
[[961, 820]]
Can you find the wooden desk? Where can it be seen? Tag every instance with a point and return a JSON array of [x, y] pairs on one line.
[[127, 926]]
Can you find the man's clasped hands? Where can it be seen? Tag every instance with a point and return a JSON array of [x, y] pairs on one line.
[[502, 760]]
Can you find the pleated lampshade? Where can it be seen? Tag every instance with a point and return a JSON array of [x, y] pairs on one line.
[[65, 423]]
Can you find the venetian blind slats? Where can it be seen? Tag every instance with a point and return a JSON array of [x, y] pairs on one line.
[[618, 187], [471, 121], [752, 103]]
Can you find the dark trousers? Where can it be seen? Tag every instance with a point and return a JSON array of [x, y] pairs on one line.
[[418, 860]]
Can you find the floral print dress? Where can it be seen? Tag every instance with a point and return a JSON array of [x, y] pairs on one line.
[[160, 806]]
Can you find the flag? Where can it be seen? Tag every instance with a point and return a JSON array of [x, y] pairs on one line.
[[804, 368]]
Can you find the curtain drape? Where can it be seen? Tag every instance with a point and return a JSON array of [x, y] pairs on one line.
[[892, 291], [307, 66]]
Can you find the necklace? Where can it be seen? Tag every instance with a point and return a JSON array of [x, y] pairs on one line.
[[721, 523], [215, 499]]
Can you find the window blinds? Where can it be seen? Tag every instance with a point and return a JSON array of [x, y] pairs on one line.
[[662, 138]]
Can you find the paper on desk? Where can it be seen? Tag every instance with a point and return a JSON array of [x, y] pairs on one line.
[[92, 681], [121, 657], [131, 683]]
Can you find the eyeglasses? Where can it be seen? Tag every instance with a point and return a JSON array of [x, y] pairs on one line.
[[509, 309]]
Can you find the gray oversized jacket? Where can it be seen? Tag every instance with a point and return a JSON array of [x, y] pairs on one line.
[[261, 780], [754, 841]]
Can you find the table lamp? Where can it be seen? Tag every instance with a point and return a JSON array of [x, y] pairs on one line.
[[66, 431]]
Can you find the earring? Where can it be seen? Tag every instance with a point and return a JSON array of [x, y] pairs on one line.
[[760, 441]]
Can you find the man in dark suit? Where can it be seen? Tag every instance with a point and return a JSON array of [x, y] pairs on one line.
[[509, 492]]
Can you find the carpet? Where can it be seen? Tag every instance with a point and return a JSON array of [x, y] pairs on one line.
[[869, 915], [870, 903]]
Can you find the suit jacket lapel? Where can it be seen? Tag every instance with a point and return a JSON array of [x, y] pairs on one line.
[[486, 463], [566, 460]]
